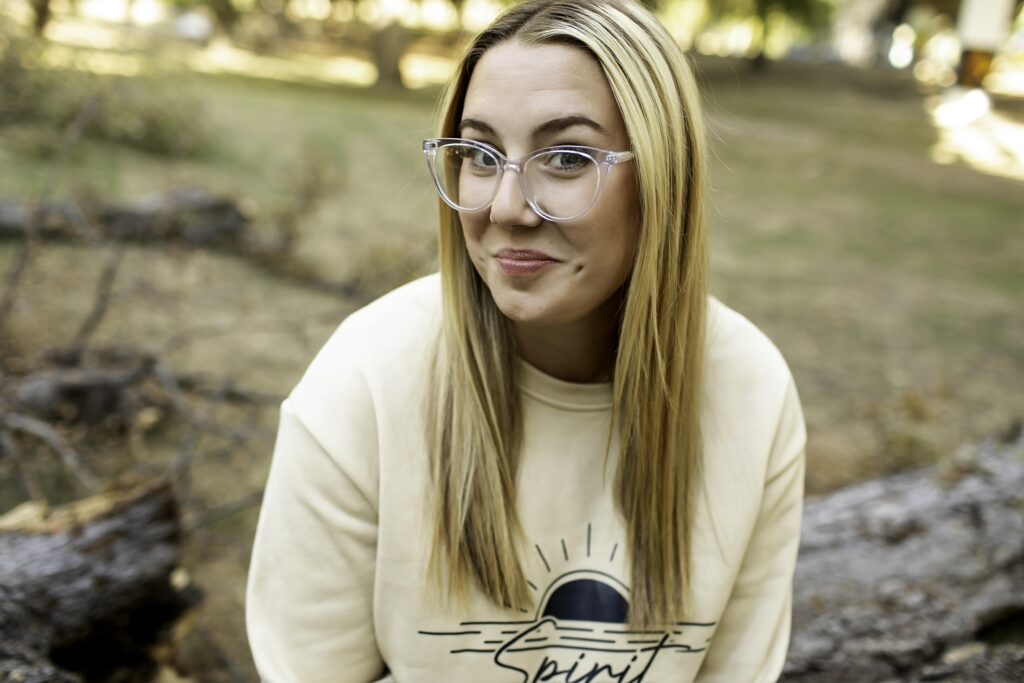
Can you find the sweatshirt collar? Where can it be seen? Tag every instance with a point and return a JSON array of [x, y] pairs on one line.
[[562, 394]]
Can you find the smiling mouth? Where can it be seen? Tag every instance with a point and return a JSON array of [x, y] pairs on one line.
[[523, 262]]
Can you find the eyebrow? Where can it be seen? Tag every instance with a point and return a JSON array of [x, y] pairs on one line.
[[546, 128]]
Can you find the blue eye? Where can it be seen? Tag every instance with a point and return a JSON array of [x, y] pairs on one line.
[[565, 162], [481, 159], [474, 159]]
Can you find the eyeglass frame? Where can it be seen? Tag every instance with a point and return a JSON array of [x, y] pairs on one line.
[[605, 160]]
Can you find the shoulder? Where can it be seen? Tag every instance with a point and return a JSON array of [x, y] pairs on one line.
[[748, 384], [386, 343], [752, 418], [394, 321], [738, 352]]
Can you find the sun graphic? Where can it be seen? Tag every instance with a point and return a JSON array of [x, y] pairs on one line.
[[579, 631]]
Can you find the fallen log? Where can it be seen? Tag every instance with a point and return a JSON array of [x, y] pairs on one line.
[[110, 387], [86, 590], [94, 386], [188, 216], [915, 577]]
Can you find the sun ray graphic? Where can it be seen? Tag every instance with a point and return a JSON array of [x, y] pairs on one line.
[[579, 631]]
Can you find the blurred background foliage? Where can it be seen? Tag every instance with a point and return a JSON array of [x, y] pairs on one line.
[[861, 214], [140, 112]]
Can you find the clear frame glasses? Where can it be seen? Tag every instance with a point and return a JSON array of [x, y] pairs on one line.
[[559, 183]]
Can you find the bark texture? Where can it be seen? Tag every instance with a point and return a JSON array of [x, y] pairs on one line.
[[915, 577], [87, 587], [189, 216]]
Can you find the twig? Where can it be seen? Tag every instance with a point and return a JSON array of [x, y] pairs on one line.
[[309, 185], [169, 382], [46, 434], [103, 291], [226, 510], [236, 674], [72, 135], [200, 423], [176, 397], [83, 225], [28, 483], [227, 391]]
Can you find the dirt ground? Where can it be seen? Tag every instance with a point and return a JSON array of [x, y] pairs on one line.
[[893, 284]]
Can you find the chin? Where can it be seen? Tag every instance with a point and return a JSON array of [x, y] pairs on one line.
[[526, 307], [522, 312]]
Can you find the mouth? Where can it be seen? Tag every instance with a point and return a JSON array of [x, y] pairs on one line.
[[522, 262]]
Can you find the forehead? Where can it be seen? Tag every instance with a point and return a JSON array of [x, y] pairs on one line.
[[515, 86]]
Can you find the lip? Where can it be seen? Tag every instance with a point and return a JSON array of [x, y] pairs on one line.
[[523, 262]]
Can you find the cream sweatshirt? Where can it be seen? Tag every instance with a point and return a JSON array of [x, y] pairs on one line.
[[338, 590]]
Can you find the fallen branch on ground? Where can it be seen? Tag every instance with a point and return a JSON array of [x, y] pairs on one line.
[[88, 587], [188, 216], [915, 577]]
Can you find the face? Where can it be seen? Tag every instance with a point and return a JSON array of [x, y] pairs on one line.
[[538, 271]]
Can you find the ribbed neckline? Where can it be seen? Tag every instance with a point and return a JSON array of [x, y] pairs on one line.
[[561, 394]]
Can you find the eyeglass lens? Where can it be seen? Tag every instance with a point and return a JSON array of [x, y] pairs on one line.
[[562, 184]]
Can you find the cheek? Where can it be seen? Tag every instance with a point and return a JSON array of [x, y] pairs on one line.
[[608, 251], [613, 240]]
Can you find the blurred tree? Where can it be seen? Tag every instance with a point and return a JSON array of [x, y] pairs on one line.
[[460, 8], [460, 11], [814, 14], [899, 8], [387, 45], [42, 15]]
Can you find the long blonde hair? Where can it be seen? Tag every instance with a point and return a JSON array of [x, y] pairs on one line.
[[475, 412]]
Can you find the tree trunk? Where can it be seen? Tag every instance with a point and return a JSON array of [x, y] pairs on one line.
[[918, 576], [388, 45], [42, 16], [760, 59], [87, 588], [226, 14]]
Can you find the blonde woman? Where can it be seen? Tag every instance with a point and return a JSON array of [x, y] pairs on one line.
[[559, 459]]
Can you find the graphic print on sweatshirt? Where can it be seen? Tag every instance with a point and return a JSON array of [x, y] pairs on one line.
[[579, 633]]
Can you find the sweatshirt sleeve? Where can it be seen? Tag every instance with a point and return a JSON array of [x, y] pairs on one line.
[[753, 635], [309, 600]]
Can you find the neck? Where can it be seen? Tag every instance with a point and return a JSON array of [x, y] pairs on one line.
[[581, 351]]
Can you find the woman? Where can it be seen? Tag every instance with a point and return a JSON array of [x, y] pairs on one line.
[[560, 459]]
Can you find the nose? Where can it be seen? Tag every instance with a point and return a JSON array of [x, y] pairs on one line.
[[510, 208]]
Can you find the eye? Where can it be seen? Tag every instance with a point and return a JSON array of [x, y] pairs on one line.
[[477, 161], [565, 162], [481, 159]]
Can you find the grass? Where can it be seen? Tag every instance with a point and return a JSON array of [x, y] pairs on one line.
[[892, 285], [879, 273]]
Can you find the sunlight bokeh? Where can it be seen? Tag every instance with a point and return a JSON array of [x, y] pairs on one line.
[[97, 62], [420, 70], [970, 132], [222, 57], [139, 12]]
